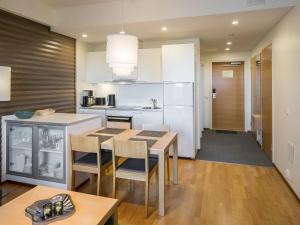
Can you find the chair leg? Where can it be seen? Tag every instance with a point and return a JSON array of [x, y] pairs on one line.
[[92, 180], [73, 180], [168, 167], [146, 198], [157, 180], [98, 183], [130, 185], [114, 187]]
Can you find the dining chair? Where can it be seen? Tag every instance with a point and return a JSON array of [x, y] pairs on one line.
[[93, 160], [159, 127], [137, 166]]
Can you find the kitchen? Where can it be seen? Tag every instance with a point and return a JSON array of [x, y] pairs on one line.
[[164, 96]]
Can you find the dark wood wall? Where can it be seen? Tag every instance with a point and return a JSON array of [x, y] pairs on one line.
[[43, 66]]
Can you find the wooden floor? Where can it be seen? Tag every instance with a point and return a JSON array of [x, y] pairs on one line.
[[208, 193]]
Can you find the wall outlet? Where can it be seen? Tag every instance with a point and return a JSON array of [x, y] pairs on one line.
[[291, 152], [288, 174]]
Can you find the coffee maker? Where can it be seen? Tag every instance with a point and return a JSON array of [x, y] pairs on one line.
[[87, 98], [111, 100]]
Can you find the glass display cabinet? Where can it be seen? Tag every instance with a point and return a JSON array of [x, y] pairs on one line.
[[20, 149], [50, 152], [36, 151]]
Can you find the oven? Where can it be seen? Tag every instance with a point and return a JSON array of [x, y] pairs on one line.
[[123, 122]]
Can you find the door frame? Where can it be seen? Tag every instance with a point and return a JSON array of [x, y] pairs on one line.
[[247, 90]]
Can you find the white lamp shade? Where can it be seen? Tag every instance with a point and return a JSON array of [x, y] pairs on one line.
[[5, 83], [122, 53]]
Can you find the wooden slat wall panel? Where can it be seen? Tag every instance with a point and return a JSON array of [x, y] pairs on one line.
[[43, 66]]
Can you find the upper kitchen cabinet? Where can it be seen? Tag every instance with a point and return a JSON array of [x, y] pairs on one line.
[[178, 63], [149, 65], [97, 68]]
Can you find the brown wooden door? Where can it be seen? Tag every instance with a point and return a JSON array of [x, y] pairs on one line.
[[266, 88], [228, 102]]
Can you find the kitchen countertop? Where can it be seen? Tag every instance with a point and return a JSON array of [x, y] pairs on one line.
[[56, 118], [124, 108]]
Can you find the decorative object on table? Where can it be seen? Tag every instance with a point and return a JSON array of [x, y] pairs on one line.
[[57, 207], [45, 112], [24, 114]]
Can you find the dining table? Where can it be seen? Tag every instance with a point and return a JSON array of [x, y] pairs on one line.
[[162, 144]]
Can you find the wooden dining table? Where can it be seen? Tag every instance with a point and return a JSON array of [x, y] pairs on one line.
[[161, 148]]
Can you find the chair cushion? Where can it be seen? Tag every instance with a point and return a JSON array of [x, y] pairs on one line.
[[91, 158], [153, 156], [137, 165]]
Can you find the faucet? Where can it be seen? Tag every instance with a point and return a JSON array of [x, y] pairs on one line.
[[154, 102]]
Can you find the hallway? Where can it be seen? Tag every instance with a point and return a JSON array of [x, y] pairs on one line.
[[232, 147]]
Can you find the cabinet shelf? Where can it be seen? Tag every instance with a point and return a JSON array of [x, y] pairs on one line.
[[21, 148], [51, 151]]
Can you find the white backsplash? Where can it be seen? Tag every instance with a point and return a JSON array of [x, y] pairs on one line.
[[131, 94]]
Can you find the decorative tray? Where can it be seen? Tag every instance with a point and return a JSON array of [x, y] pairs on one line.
[[150, 142], [111, 131], [45, 211]]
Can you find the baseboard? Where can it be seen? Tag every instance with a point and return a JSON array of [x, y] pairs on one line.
[[287, 183]]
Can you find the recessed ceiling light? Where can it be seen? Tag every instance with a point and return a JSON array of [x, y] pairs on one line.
[[227, 49], [229, 43], [84, 35], [164, 28], [235, 22]]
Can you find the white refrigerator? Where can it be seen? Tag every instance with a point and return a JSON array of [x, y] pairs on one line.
[[179, 114]]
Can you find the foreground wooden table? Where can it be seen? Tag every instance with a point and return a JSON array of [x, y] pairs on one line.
[[160, 148], [90, 209]]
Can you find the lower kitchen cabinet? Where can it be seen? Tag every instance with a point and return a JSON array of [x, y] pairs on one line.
[[143, 117]]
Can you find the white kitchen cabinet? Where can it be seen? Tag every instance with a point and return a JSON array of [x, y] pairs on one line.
[[149, 65], [97, 70], [178, 63], [143, 117]]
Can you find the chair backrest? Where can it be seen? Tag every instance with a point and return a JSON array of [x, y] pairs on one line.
[[156, 127], [120, 125], [130, 149], [84, 144]]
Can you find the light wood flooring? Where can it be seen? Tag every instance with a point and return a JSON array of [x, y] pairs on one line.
[[208, 193]]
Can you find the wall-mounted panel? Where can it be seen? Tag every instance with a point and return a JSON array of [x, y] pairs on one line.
[[42, 66]]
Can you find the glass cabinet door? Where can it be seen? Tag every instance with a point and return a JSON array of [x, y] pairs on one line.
[[51, 153], [20, 149]]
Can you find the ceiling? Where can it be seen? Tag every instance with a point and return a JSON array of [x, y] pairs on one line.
[[208, 20], [214, 31], [68, 3]]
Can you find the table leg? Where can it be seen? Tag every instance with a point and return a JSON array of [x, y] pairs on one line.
[[175, 162], [161, 183], [115, 217]]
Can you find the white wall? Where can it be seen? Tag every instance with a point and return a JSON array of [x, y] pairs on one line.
[[81, 84], [131, 94], [207, 60], [285, 40]]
